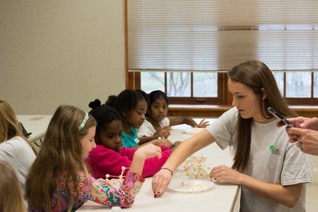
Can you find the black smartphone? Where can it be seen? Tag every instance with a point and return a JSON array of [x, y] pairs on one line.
[[279, 117], [24, 132]]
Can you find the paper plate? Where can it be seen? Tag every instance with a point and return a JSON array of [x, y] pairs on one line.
[[193, 131], [190, 185]]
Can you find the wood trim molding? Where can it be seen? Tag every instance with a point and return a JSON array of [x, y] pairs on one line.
[[213, 111], [197, 111]]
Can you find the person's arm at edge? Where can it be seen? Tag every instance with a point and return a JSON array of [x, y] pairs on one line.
[[308, 139], [309, 123]]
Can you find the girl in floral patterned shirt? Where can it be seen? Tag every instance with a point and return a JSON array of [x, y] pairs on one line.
[[59, 180]]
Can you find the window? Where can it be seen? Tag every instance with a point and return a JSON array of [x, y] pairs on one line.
[[185, 47]]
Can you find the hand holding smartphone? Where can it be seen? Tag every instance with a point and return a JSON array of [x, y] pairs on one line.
[[279, 117]]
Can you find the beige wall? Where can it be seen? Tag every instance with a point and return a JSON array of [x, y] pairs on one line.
[[60, 52]]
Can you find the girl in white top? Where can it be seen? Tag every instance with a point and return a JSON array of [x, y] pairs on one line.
[[14, 147], [271, 171], [157, 124]]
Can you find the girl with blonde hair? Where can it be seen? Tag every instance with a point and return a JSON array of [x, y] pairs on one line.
[[14, 146], [11, 198]]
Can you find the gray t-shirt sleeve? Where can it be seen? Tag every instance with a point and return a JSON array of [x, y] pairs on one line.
[[297, 166], [224, 129]]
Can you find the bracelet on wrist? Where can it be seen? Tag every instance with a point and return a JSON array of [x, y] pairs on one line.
[[168, 170]]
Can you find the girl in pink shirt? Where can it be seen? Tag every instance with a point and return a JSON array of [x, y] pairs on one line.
[[110, 156]]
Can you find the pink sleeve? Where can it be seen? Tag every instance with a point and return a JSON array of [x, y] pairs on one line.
[[164, 148], [104, 161], [128, 152], [154, 164]]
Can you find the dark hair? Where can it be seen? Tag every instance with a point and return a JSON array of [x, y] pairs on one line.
[[126, 101], [103, 114], [145, 95], [259, 78], [154, 95]]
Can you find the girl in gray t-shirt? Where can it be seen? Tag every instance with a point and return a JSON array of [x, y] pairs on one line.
[[271, 171]]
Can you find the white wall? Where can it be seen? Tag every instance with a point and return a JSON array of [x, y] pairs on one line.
[[60, 52]]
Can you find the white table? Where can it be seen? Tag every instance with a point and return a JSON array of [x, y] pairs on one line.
[[221, 198], [35, 124]]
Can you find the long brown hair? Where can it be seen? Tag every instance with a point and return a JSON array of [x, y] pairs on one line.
[[11, 198], [259, 78], [61, 152], [9, 124]]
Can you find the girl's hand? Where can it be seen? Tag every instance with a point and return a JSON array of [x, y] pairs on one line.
[[161, 142], [225, 174], [163, 133], [160, 182], [149, 150], [203, 124], [141, 154]]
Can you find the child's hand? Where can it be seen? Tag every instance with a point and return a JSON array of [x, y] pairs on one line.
[[141, 154], [149, 150], [161, 142], [163, 133], [203, 124]]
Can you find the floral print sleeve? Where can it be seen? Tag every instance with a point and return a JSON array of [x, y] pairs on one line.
[[101, 193], [95, 190]]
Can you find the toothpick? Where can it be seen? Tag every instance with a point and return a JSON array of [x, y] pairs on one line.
[[121, 174]]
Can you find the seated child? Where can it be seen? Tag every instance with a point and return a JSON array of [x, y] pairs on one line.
[[157, 124], [11, 197], [109, 157], [14, 146]]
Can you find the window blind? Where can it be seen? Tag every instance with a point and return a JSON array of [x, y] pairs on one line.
[[206, 35]]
